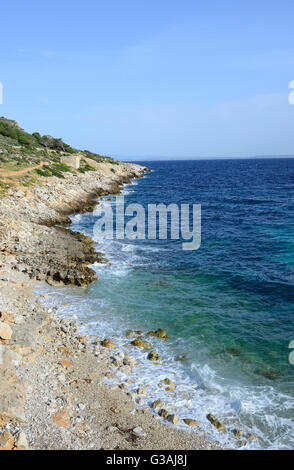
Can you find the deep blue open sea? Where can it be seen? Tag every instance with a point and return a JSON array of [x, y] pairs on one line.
[[228, 307]]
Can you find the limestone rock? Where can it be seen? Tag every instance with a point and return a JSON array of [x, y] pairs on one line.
[[133, 333], [8, 357], [12, 396], [6, 441], [253, 437], [160, 333], [174, 419], [21, 442], [65, 363], [163, 413], [238, 433], [169, 382], [216, 423], [61, 418], [191, 422], [154, 356], [141, 344], [5, 331], [157, 404], [108, 343], [139, 432]]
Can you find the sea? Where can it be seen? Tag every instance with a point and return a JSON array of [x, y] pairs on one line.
[[227, 307]]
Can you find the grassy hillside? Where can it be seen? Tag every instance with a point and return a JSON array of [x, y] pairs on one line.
[[26, 157]]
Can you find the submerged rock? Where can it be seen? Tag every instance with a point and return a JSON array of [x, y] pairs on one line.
[[270, 374], [131, 333], [216, 423], [233, 351]]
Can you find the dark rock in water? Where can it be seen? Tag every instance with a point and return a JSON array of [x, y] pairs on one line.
[[191, 422], [157, 404], [238, 433], [174, 419], [180, 357], [163, 413], [270, 374], [233, 351], [253, 437], [131, 333], [160, 333], [216, 423], [154, 356], [140, 343], [169, 382]]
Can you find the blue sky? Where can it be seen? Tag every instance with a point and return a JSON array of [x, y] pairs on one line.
[[174, 78]]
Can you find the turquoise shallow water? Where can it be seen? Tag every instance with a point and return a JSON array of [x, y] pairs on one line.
[[228, 307]]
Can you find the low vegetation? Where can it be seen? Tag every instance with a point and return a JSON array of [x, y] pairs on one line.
[[20, 150]]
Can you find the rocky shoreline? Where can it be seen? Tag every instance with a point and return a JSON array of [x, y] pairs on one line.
[[53, 393]]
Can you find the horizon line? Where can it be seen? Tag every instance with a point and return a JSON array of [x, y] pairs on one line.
[[163, 158]]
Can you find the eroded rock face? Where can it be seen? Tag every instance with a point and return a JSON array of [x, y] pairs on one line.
[[32, 221]]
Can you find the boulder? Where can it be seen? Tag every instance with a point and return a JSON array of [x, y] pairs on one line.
[[163, 413], [238, 433], [157, 404], [216, 423], [21, 442], [139, 343], [108, 343], [6, 441], [169, 382], [191, 422], [154, 356], [5, 331], [174, 419], [12, 396], [160, 333], [133, 333]]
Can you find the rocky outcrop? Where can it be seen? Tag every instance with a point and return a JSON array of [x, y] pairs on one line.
[[32, 237]]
